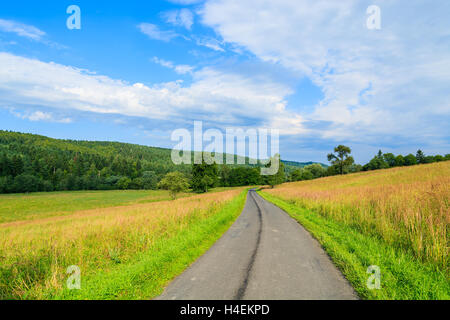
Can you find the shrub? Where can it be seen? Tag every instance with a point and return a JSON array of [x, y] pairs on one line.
[[123, 183]]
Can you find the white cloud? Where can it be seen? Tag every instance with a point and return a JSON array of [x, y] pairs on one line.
[[21, 29], [210, 43], [153, 32], [40, 116], [183, 69], [225, 99], [164, 63], [183, 17], [392, 81], [180, 69]]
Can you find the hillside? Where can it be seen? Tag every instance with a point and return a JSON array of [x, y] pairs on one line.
[[30, 163], [291, 166], [297, 164], [36, 163]]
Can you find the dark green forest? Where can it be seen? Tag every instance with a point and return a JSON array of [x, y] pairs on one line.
[[32, 163]]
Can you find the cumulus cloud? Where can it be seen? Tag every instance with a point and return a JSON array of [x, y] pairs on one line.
[[183, 17], [21, 29], [214, 96], [376, 83]]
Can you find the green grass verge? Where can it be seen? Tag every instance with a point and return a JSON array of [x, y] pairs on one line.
[[403, 277], [146, 276]]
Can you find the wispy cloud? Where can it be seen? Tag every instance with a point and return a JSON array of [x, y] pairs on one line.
[[180, 69], [183, 17], [210, 43], [154, 32], [21, 29], [36, 116]]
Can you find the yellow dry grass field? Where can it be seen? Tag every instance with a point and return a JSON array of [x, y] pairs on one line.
[[36, 253], [407, 207]]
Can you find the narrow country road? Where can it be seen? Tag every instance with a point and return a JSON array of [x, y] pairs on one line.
[[265, 255]]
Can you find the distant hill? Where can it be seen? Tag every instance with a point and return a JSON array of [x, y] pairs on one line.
[[302, 164], [291, 166], [30, 162]]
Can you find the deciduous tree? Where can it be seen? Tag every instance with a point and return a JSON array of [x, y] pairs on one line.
[[175, 182], [341, 158]]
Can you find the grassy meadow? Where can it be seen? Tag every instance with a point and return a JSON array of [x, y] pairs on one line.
[[397, 219], [127, 244], [14, 207]]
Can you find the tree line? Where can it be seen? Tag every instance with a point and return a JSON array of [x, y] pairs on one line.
[[343, 163], [32, 163], [205, 176]]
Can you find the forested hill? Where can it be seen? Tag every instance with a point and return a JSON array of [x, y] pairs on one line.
[[31, 163], [295, 165], [36, 163]]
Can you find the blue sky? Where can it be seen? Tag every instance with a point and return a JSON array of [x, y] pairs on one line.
[[138, 70]]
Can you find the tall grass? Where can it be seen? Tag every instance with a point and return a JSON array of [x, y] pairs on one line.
[[403, 277], [407, 207], [34, 254]]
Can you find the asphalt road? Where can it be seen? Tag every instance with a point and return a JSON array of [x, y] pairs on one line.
[[265, 255]]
